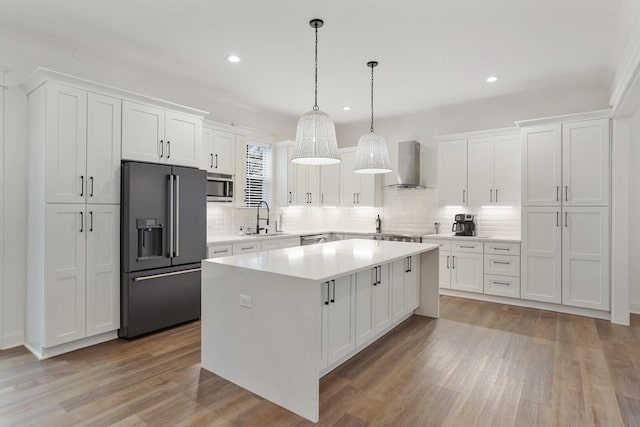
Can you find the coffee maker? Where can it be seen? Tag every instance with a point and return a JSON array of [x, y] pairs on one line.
[[464, 225]]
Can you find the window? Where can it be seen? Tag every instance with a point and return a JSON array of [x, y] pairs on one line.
[[257, 174]]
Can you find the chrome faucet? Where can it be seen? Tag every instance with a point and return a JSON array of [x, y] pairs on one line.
[[258, 217]]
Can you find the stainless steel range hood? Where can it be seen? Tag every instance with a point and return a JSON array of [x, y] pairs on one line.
[[408, 165]]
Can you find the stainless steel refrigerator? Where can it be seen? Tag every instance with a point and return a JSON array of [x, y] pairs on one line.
[[162, 244]]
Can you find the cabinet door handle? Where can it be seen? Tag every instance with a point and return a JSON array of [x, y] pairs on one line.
[[290, 197], [358, 198], [557, 219], [410, 264], [496, 195], [566, 220], [375, 281], [81, 185], [168, 149], [447, 261], [566, 193], [91, 221], [464, 196], [310, 197], [453, 261], [216, 161], [379, 274], [81, 221], [334, 291], [161, 148], [91, 179], [327, 301], [322, 198], [491, 195], [557, 193], [211, 161], [354, 198]]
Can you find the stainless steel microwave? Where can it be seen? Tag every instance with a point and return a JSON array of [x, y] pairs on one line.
[[219, 188]]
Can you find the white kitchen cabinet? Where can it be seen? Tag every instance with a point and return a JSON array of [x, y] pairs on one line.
[[502, 265], [306, 191], [217, 251], [541, 254], [585, 257], [267, 244], [219, 151], [453, 172], [340, 314], [585, 163], [65, 274], [494, 172], [373, 309], [445, 269], [541, 165], [330, 185], [507, 174], [504, 286], [356, 189], [152, 134], [404, 286], [481, 166], [246, 248], [103, 268], [104, 119], [467, 271], [64, 142]]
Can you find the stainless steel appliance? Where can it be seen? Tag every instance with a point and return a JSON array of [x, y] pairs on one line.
[[163, 240], [464, 225], [219, 188], [408, 165], [313, 239]]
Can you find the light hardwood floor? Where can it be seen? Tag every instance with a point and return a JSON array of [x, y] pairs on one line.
[[479, 364]]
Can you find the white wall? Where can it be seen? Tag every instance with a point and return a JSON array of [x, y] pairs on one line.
[[634, 214], [21, 58]]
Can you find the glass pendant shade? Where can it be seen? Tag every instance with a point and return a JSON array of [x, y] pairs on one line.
[[316, 142], [372, 155]]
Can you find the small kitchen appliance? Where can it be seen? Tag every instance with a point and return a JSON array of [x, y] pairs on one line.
[[464, 225]]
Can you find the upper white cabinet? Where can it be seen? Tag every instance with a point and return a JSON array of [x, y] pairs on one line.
[[153, 134], [219, 151], [357, 189], [306, 189], [330, 185], [541, 165], [585, 163], [103, 148], [453, 172], [494, 172]]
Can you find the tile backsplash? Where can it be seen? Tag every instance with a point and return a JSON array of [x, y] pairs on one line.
[[495, 221]]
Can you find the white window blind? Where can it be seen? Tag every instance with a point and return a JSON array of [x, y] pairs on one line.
[[257, 174]]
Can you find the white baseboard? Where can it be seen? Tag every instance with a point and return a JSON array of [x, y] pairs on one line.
[[634, 307], [529, 304], [12, 339], [47, 352]]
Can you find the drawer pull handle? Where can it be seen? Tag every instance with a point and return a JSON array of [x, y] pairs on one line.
[[501, 249], [249, 247], [468, 247], [502, 283], [222, 251], [502, 262]]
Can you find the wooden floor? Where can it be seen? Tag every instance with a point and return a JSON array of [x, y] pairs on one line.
[[479, 364]]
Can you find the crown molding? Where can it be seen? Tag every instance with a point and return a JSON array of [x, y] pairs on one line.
[[479, 134], [567, 118]]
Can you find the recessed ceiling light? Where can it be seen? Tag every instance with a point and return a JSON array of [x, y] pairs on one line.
[[233, 58], [346, 108], [492, 79]]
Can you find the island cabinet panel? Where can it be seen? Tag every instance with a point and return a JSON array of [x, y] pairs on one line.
[[382, 300], [365, 318], [341, 319], [404, 286]]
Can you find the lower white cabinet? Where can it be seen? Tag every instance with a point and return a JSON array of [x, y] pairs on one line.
[[338, 319], [373, 298], [467, 271], [81, 286], [404, 286], [246, 248], [505, 286], [218, 251]]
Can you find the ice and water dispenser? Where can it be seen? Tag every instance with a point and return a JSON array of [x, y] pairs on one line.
[[150, 233]]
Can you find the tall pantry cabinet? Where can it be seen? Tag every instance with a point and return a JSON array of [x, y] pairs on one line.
[[565, 212], [73, 271]]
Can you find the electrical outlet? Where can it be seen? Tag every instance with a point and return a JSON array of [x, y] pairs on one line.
[[245, 301]]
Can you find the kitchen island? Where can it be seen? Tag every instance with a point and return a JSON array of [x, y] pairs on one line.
[[275, 322]]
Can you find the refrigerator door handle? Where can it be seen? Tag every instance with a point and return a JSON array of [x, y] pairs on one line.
[[177, 251], [173, 273], [170, 216]]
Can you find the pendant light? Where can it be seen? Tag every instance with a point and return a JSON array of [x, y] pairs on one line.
[[372, 155], [316, 134]]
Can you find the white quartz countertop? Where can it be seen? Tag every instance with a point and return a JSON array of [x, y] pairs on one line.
[[325, 261], [481, 238]]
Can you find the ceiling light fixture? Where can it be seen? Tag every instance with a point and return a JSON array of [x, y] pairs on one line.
[[316, 142], [233, 58], [346, 108], [372, 154], [492, 79]]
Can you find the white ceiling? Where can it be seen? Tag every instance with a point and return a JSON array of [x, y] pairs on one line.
[[431, 52]]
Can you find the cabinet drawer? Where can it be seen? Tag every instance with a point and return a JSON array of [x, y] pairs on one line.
[[502, 286], [467, 246], [502, 265], [267, 245], [502, 248], [217, 251], [445, 245], [289, 243], [245, 248]]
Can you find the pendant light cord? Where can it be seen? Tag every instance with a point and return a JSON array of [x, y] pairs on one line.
[[315, 106], [371, 129]]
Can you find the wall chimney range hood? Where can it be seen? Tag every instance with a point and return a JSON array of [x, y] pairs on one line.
[[408, 165]]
